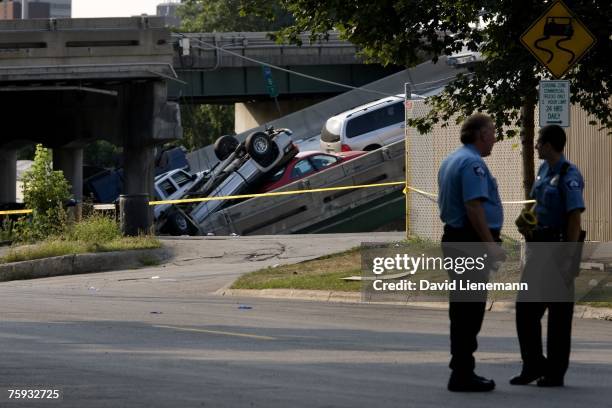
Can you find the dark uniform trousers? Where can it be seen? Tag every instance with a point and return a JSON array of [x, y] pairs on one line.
[[558, 344], [465, 316], [559, 331]]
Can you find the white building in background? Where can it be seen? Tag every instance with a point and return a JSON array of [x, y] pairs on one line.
[[22, 167]]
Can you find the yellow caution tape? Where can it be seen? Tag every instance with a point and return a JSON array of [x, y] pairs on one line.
[[12, 212], [280, 193], [102, 207], [284, 193], [425, 193], [416, 190]]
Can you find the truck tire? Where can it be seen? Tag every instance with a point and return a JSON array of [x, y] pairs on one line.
[[177, 224], [224, 146], [261, 148]]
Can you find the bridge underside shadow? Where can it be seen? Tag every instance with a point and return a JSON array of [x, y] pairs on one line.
[[242, 84], [67, 83]]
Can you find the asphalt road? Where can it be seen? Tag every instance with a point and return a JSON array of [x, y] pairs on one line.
[[160, 337]]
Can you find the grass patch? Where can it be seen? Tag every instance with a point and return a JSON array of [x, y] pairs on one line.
[[58, 247], [323, 273], [94, 234], [326, 273], [597, 304]]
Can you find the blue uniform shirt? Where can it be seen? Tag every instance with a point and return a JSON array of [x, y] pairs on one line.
[[464, 176], [557, 196]]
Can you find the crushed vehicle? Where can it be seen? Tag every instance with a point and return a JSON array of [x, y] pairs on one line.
[[174, 185], [242, 168]]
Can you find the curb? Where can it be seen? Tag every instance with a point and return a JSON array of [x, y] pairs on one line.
[[82, 263], [584, 312]]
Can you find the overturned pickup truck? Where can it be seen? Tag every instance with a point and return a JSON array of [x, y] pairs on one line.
[[241, 169]]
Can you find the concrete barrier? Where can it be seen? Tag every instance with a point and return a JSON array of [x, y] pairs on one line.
[[82, 263]]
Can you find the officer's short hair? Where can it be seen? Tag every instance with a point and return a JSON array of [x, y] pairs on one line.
[[472, 125], [553, 134]]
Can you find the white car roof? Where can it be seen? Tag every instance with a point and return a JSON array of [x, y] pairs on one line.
[[335, 121]]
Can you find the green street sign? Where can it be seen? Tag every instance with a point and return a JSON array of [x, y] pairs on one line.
[[269, 81]]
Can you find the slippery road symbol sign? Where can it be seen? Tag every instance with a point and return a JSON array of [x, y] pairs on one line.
[[558, 39]]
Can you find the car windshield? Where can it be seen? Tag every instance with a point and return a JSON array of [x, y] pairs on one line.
[[302, 168], [320, 161], [181, 178], [167, 187]]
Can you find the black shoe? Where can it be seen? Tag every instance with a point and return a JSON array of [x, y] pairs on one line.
[[469, 383], [524, 378], [550, 382]]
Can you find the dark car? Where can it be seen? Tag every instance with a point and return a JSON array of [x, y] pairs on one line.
[[304, 164]]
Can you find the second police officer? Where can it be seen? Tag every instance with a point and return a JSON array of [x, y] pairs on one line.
[[558, 191]]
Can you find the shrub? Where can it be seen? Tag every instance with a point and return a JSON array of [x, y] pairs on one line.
[[95, 229], [44, 191]]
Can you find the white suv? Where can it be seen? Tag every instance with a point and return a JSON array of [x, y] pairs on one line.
[[367, 127]]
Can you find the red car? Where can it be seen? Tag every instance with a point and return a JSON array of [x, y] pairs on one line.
[[304, 164]]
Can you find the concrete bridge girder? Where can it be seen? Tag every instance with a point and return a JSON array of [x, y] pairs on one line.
[[93, 79], [259, 46]]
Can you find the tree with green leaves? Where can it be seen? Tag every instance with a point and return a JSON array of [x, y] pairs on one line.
[[504, 84], [101, 154], [226, 16], [203, 124]]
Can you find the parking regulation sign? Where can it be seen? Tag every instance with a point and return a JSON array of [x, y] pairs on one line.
[[554, 103]]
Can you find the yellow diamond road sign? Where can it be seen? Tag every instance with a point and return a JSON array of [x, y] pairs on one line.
[[558, 39]]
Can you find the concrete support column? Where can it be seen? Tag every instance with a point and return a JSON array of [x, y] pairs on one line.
[[70, 162], [148, 119], [8, 176], [139, 169], [139, 173]]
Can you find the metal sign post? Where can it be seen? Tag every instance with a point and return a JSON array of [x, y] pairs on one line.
[[408, 109]]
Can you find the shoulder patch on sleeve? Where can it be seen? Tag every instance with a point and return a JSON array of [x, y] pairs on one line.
[[478, 169], [573, 184]]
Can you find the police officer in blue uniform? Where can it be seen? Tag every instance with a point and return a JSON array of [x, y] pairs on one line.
[[471, 210], [558, 191]]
